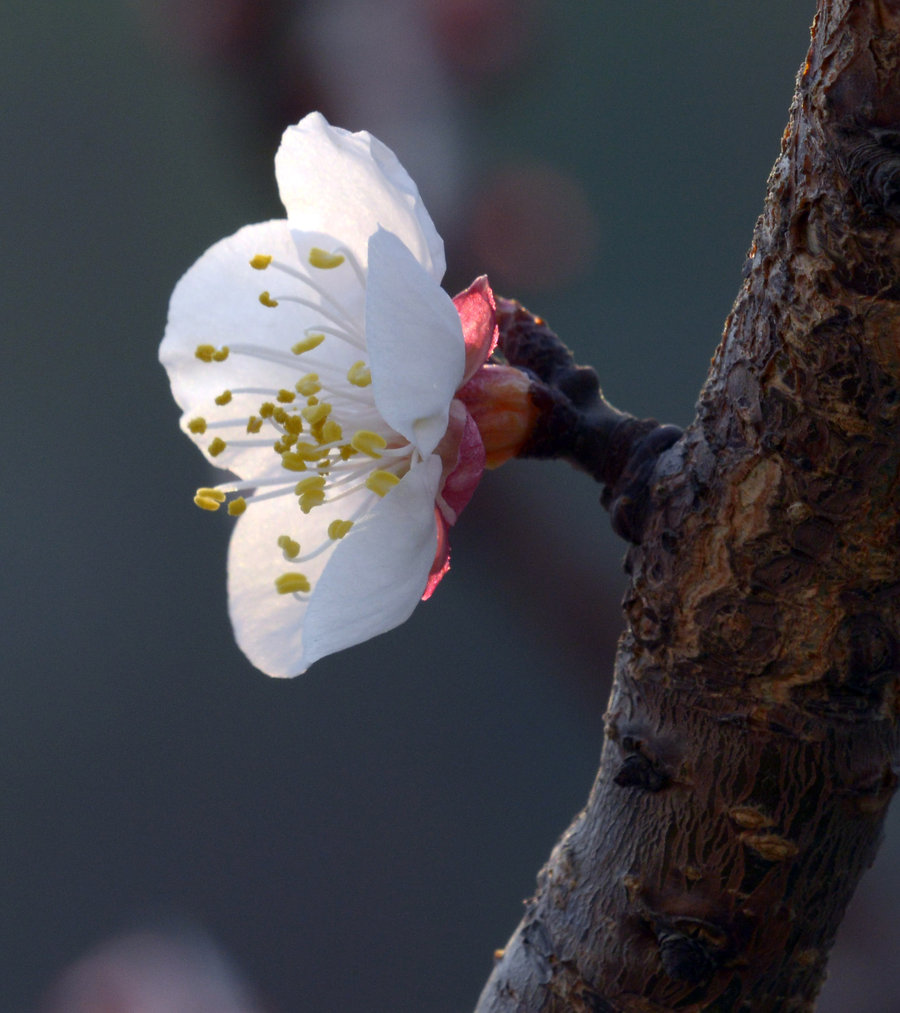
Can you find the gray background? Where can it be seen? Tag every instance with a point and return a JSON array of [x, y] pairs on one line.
[[359, 839]]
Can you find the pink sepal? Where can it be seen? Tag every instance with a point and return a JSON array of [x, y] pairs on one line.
[[463, 454], [462, 477], [477, 311], [441, 562], [462, 449]]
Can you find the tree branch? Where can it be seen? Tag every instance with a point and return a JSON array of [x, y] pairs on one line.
[[752, 730]]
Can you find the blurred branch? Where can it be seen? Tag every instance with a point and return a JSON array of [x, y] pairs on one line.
[[752, 730]]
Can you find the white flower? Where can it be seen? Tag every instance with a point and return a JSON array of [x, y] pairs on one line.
[[317, 358]]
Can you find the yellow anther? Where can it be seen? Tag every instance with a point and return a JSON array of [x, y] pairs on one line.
[[260, 262], [314, 482], [216, 447], [359, 374], [254, 424], [197, 425], [267, 300], [209, 499], [293, 424], [317, 412], [310, 451], [381, 482], [347, 451], [289, 583], [285, 396], [266, 410], [224, 397], [207, 502], [308, 385], [310, 342], [288, 546], [205, 352], [280, 415], [337, 529], [330, 432], [292, 462], [237, 506], [215, 494], [324, 259], [221, 355], [367, 442], [312, 401], [313, 498]]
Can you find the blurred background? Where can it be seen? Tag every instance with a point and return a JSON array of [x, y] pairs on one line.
[[174, 824]]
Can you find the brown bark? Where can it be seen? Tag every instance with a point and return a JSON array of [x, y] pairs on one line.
[[753, 723]]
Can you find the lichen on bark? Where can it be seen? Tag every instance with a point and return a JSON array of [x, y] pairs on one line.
[[752, 730]]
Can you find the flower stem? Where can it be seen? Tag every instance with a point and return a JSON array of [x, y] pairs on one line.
[[575, 422]]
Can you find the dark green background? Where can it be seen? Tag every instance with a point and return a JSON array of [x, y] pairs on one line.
[[359, 839]]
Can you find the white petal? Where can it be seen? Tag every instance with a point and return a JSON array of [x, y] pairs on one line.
[[377, 574], [270, 628], [346, 185], [217, 303], [415, 342]]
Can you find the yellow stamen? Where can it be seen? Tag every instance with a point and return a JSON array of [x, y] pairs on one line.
[[293, 462], [381, 482], [288, 546], [280, 415], [359, 374], [313, 483], [324, 259], [317, 412], [309, 451], [224, 397], [331, 432], [337, 529], [288, 583], [216, 447], [215, 494], [221, 355], [207, 502], [293, 424], [312, 498], [260, 262], [267, 300], [310, 342], [254, 424], [205, 352], [308, 385], [209, 499], [285, 396], [266, 410], [367, 442], [197, 425], [237, 506]]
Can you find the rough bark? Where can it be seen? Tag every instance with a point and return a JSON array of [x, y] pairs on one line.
[[752, 730]]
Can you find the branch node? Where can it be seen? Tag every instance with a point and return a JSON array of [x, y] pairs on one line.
[[685, 958]]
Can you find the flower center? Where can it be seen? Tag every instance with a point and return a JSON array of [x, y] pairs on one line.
[[329, 438]]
